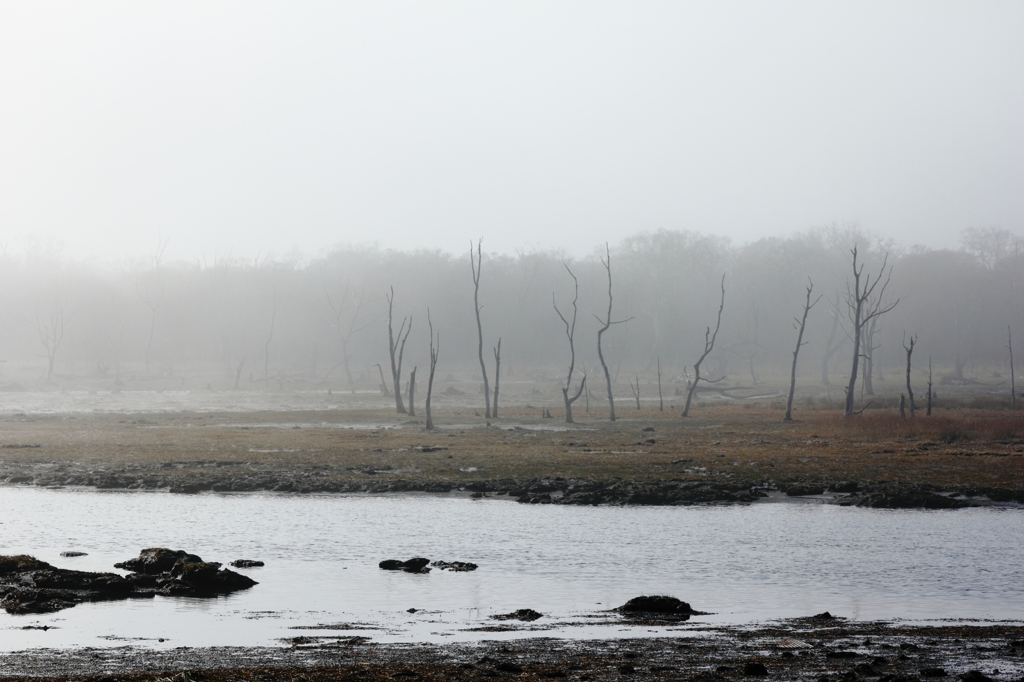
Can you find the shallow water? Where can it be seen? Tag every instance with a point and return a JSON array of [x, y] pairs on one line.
[[744, 563]]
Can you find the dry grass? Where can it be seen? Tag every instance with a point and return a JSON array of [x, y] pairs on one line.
[[958, 448]]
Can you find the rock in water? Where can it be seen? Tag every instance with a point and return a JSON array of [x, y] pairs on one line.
[[156, 560], [73, 554], [657, 605], [414, 565], [28, 585], [457, 566], [527, 615], [246, 563]]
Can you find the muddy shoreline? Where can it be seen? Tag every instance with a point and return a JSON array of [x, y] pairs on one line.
[[249, 477], [798, 649]]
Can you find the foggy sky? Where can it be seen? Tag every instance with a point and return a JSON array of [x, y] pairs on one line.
[[235, 128]]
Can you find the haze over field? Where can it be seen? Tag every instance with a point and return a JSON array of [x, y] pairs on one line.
[[242, 128]]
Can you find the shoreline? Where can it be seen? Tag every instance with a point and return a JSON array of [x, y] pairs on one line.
[[811, 649]]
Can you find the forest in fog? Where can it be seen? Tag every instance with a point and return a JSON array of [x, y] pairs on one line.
[[272, 322]]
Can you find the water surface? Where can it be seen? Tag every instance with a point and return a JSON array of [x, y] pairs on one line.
[[743, 563]]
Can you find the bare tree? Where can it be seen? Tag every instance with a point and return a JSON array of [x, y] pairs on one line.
[[412, 392], [497, 377], [397, 345], [661, 401], [570, 332], [477, 265], [433, 364], [238, 372], [928, 411], [800, 324], [383, 384], [862, 307], [606, 324], [709, 344], [346, 328], [636, 390], [1013, 384], [51, 333], [910, 352]]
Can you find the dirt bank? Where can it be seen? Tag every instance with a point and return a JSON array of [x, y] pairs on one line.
[[726, 454]]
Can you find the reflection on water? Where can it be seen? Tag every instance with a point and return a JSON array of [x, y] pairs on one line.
[[321, 553]]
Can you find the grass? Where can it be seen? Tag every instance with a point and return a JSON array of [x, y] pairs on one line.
[[742, 443]]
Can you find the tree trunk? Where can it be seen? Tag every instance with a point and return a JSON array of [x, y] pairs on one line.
[[796, 351], [497, 377], [709, 344], [412, 392], [476, 266], [433, 365]]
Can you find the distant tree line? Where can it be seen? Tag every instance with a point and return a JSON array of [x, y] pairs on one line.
[[267, 322]]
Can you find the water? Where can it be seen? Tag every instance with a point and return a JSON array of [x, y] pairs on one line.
[[743, 563]]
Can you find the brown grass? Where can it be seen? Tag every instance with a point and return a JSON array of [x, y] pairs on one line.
[[959, 448]]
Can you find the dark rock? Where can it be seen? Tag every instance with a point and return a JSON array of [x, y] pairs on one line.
[[28, 585], [842, 654], [824, 615], [844, 487], [414, 565], [754, 668], [73, 554], [156, 560], [457, 566], [933, 672], [660, 605], [527, 615], [626, 669], [246, 563]]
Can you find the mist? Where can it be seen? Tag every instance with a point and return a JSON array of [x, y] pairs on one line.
[[322, 322], [234, 130]]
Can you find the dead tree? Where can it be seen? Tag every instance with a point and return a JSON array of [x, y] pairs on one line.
[[910, 352], [346, 328], [570, 332], [709, 344], [412, 392], [862, 307], [636, 391], [605, 325], [497, 377], [383, 384], [1013, 385], [238, 372], [800, 325], [399, 347], [476, 265], [433, 364], [51, 334], [903, 406], [661, 401], [928, 411]]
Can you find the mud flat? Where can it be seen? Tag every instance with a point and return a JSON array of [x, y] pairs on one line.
[[815, 649], [726, 454]]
